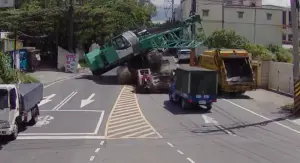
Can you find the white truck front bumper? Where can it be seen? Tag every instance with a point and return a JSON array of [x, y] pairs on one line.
[[7, 131]]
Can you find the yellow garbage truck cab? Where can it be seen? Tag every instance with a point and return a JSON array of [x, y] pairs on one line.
[[234, 69]]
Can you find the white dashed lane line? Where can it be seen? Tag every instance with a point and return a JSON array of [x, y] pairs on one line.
[[92, 158], [181, 153], [96, 151]]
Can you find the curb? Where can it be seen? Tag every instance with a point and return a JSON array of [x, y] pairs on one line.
[[64, 78]]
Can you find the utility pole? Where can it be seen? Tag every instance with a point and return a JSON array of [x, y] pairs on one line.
[[15, 44], [295, 18], [173, 13], [71, 27], [295, 24], [193, 34], [223, 12]]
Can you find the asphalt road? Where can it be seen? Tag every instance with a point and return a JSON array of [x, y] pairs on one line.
[[85, 120]]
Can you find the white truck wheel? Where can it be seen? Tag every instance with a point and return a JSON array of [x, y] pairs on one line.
[[15, 132]]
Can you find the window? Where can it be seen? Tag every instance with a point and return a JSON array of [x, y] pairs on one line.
[[240, 14], [269, 16], [121, 43], [5, 1], [205, 12], [4, 99], [284, 17], [13, 97], [284, 37], [290, 37], [290, 18]]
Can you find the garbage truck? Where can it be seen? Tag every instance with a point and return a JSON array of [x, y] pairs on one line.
[[235, 74], [18, 107]]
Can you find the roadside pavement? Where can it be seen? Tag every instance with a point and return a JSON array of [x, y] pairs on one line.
[[52, 75]]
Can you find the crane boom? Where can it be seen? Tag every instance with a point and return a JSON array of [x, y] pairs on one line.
[[122, 48]]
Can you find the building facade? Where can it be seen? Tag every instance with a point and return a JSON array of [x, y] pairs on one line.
[[258, 24], [251, 3], [287, 34]]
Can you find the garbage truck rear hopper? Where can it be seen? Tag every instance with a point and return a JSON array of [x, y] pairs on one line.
[[235, 74]]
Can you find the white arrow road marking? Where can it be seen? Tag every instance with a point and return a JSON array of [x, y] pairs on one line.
[[208, 119], [46, 100], [87, 101]]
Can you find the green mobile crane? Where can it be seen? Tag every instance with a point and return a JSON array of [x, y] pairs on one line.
[[123, 48]]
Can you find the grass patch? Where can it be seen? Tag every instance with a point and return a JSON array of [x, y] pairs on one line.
[[83, 63], [26, 78], [288, 107]]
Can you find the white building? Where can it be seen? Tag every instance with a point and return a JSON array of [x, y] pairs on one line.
[[287, 34], [258, 24], [251, 3]]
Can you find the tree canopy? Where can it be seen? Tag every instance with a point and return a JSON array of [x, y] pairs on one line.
[[94, 20]]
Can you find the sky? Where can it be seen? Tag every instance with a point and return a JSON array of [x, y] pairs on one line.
[[284, 3]]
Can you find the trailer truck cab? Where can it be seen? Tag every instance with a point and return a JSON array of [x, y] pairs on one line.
[[234, 69], [9, 106]]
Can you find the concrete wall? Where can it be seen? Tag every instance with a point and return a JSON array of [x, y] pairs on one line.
[[281, 77], [265, 74], [277, 76]]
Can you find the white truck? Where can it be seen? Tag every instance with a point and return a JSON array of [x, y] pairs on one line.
[[18, 107]]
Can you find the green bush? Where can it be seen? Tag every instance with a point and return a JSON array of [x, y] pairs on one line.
[[225, 39], [281, 54], [259, 52], [231, 40], [9, 75], [83, 63]]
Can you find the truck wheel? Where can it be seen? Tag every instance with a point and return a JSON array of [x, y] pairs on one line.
[[184, 104], [15, 132], [207, 108], [171, 98], [35, 116]]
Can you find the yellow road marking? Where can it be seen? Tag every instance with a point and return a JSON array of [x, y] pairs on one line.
[[133, 115], [111, 112], [127, 123], [136, 133], [126, 131], [120, 110], [126, 119], [120, 129]]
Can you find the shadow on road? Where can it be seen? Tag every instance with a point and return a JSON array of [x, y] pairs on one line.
[[240, 126], [176, 110], [232, 96], [4, 140], [102, 80], [150, 92]]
